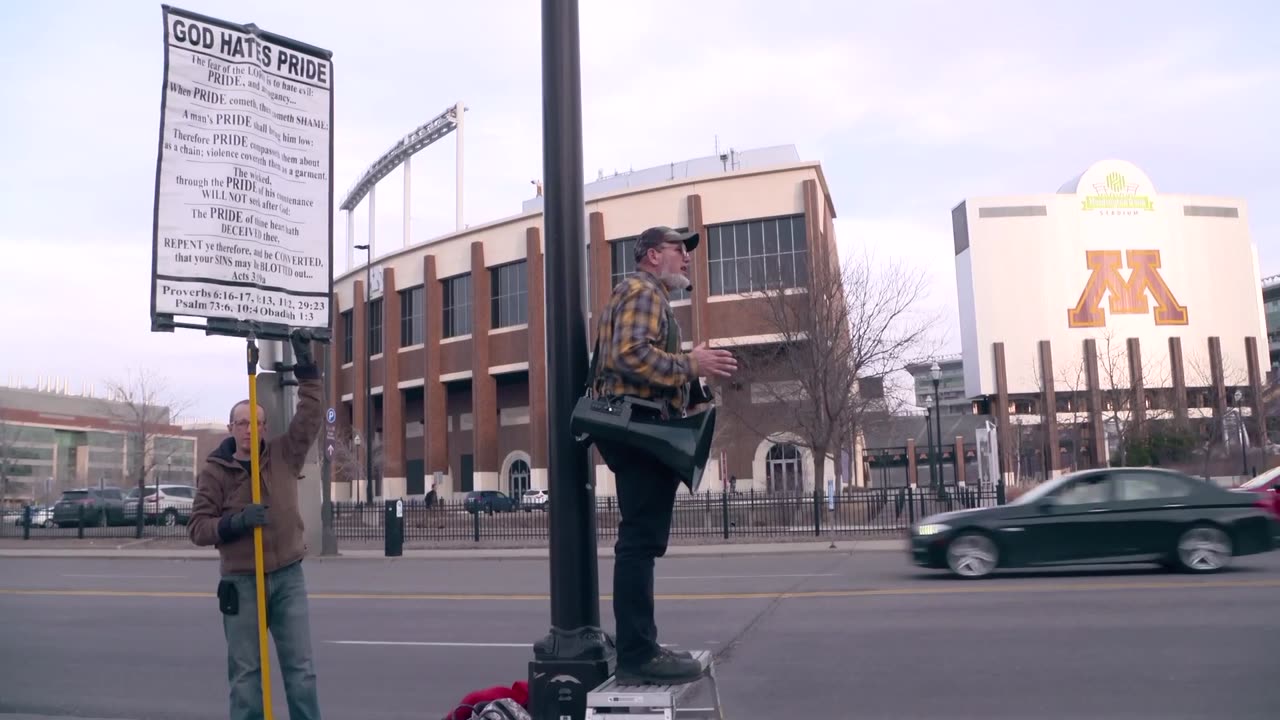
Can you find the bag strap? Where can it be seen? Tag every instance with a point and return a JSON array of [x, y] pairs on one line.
[[590, 382]]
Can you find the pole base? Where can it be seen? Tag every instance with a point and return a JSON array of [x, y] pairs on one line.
[[558, 688], [567, 665]]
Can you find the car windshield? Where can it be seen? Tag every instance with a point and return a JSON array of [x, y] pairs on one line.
[[1261, 481]]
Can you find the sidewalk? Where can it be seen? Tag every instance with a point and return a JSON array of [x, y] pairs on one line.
[[132, 550]]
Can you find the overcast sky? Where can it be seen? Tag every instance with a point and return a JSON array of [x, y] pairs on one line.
[[910, 106]]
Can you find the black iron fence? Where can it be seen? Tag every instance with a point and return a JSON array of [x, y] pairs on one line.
[[25, 523], [725, 515]]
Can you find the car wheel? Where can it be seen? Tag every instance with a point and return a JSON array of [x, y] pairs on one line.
[[1204, 549], [170, 518], [48, 524], [972, 555]]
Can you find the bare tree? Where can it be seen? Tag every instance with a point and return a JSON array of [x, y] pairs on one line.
[[1071, 383], [850, 326], [1116, 389], [142, 402], [348, 461], [1214, 435]]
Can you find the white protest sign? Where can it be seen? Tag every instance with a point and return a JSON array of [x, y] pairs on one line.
[[243, 219]]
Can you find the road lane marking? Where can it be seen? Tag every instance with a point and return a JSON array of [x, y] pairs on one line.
[[425, 643], [125, 577], [956, 588], [742, 577], [417, 643]]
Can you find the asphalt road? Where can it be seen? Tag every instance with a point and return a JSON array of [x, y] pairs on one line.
[[839, 635]]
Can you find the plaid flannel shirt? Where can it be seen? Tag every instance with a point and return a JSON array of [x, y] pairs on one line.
[[640, 345]]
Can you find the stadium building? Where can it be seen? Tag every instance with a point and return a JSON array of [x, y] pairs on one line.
[[1091, 312], [446, 339]]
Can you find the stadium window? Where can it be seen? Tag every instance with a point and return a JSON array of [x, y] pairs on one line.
[[757, 255], [510, 294], [457, 306], [411, 317], [375, 326]]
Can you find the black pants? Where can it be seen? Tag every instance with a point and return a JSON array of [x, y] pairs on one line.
[[646, 497]]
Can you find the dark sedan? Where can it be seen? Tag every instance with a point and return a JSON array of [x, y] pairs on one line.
[[1114, 515]]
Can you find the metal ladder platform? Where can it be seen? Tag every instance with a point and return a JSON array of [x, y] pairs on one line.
[[655, 702]]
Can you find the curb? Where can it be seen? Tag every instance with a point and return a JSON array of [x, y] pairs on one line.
[[675, 551]]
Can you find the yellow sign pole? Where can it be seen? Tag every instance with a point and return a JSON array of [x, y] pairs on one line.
[[264, 653]]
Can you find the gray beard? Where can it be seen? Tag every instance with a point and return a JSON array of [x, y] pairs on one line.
[[675, 281]]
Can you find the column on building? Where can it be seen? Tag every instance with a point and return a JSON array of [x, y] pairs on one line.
[[538, 443], [599, 272], [334, 372], [393, 472], [484, 386], [1004, 433], [1097, 429], [1258, 429], [1049, 411], [701, 279], [435, 431], [1217, 381], [1137, 390], [1178, 375], [359, 384]]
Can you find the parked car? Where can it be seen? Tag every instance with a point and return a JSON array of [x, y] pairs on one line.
[[489, 501], [170, 507], [101, 507], [1113, 515], [1266, 489], [41, 516], [534, 499]]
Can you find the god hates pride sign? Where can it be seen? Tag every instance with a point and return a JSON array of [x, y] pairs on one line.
[[243, 227]]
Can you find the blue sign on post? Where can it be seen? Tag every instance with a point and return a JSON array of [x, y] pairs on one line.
[[331, 416]]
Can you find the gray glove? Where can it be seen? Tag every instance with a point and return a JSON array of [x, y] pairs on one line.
[[250, 517]]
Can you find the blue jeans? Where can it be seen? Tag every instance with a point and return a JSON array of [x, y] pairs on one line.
[[290, 626]]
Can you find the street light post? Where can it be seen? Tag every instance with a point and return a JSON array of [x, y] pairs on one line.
[[1244, 451], [368, 386], [928, 433], [575, 656], [935, 373]]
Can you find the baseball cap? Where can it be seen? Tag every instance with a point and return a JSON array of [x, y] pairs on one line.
[[655, 237]]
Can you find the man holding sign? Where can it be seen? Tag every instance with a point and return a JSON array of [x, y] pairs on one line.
[[225, 515]]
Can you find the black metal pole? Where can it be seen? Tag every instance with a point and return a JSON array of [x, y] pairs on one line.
[[937, 419], [575, 656], [928, 433]]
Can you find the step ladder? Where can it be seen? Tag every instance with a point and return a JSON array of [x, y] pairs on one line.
[[655, 702]]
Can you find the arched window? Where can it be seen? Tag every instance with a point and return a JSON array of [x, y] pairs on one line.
[[783, 471], [518, 477]]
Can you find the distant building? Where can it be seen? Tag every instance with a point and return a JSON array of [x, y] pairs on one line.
[[1271, 307], [950, 385], [447, 345], [1108, 289], [52, 439]]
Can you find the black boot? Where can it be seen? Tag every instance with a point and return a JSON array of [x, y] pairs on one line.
[[664, 668]]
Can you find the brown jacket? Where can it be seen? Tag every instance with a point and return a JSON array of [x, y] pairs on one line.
[[225, 487]]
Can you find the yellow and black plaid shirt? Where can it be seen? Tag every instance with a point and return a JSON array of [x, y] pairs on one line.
[[639, 342]]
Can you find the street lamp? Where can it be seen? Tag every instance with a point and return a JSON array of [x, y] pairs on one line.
[[368, 362], [930, 407], [935, 374], [1244, 452]]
